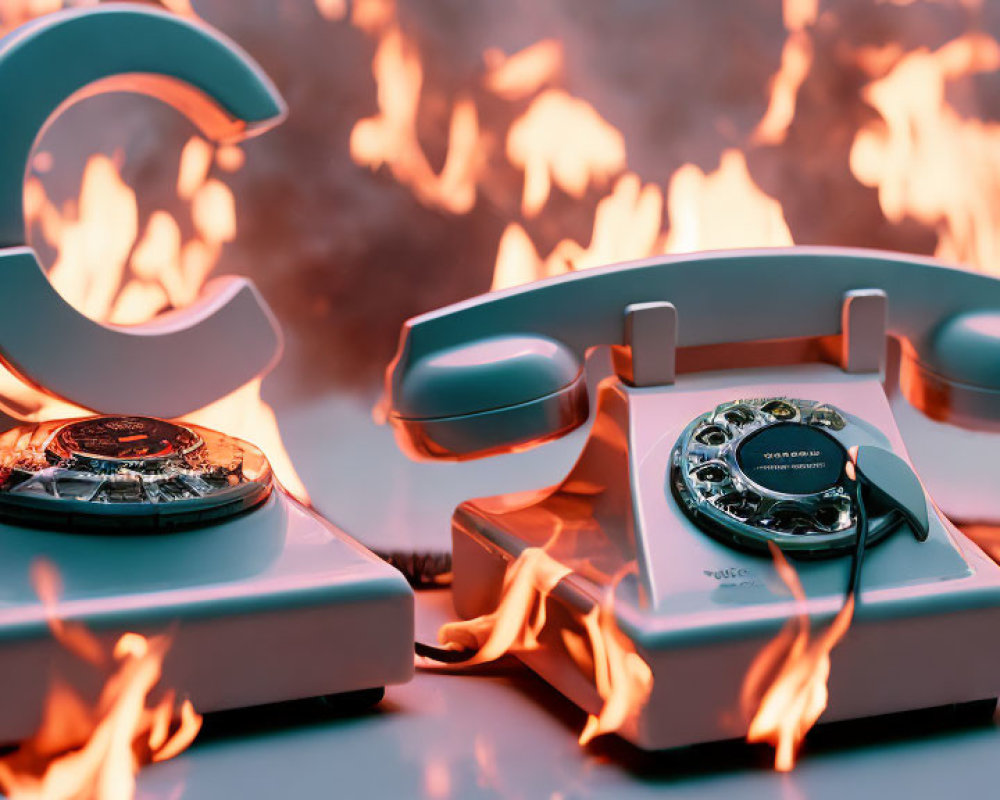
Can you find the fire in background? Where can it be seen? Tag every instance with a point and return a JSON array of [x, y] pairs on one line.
[[437, 149]]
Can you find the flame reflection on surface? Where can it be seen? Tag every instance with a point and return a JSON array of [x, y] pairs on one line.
[[986, 537], [82, 752], [785, 688]]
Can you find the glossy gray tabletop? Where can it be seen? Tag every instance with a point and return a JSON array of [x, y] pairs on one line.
[[501, 732]]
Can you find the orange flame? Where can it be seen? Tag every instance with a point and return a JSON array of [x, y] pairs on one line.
[[73, 636], [622, 679], [927, 161], [520, 615], [525, 72], [796, 59], [787, 681], [110, 273], [332, 9], [17, 12], [81, 752], [626, 225], [373, 16], [230, 157], [721, 209], [93, 254], [562, 139], [180, 7], [391, 137], [196, 160]]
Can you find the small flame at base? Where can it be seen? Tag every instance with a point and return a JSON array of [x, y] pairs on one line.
[[79, 752], [520, 615], [622, 679], [787, 681]]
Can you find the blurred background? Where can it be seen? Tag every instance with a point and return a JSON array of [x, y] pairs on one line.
[[436, 149]]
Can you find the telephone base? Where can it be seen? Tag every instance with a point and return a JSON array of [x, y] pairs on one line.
[[699, 612], [274, 716], [268, 607]]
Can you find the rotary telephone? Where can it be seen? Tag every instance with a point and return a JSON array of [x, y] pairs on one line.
[[255, 587], [747, 412]]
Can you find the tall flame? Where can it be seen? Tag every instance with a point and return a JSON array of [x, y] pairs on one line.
[[563, 140], [796, 59], [723, 208], [927, 161], [626, 226], [519, 617], [109, 272], [787, 681], [621, 677], [82, 752], [390, 138]]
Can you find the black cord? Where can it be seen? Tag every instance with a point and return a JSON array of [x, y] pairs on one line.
[[443, 654], [423, 570], [859, 546]]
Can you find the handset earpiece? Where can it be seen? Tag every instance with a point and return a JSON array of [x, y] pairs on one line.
[[488, 396], [954, 375]]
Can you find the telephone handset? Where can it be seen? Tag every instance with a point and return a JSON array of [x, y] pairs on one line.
[[181, 362], [748, 411], [504, 370]]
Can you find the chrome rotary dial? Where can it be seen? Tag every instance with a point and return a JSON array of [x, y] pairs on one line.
[[127, 473], [765, 470]]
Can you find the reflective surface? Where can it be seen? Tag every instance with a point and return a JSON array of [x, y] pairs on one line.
[[501, 733]]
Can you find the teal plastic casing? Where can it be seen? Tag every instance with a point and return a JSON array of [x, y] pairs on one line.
[[178, 363]]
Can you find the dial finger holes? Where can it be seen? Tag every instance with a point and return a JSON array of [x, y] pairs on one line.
[[740, 504], [739, 416], [826, 417], [780, 410], [712, 435], [829, 516], [712, 472], [790, 519]]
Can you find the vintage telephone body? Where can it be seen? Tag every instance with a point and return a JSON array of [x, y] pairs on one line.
[[711, 351], [266, 604]]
